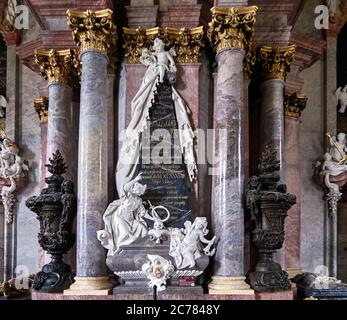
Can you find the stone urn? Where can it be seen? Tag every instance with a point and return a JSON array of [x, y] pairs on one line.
[[55, 208], [268, 202]]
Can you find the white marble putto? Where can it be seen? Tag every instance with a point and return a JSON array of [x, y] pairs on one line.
[[12, 166]]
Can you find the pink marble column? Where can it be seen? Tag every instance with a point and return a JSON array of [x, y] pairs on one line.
[[294, 104]]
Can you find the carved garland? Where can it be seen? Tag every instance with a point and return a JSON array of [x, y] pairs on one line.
[[188, 43]]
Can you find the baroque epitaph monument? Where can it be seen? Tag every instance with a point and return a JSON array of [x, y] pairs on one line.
[[151, 239]]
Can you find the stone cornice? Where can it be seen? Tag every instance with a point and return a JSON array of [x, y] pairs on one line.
[[45, 11], [308, 50], [275, 61], [231, 27]]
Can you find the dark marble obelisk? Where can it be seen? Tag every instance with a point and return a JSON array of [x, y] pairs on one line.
[[161, 159]]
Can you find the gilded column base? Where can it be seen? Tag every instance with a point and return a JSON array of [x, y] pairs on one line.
[[229, 286], [90, 286], [292, 272]]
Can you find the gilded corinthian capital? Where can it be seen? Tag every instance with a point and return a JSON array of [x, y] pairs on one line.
[[231, 27], [58, 66], [275, 61], [188, 43], [41, 107], [93, 30], [294, 104], [137, 39]]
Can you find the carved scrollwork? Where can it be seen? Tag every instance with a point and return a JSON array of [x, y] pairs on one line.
[[231, 27]]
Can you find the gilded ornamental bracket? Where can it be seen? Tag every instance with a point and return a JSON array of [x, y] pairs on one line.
[[275, 61], [294, 104], [94, 30], [41, 107], [232, 27], [58, 66], [188, 43]]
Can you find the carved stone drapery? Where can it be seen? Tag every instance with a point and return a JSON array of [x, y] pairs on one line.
[[275, 61], [93, 30], [58, 66], [231, 27], [41, 107], [188, 43], [294, 104]]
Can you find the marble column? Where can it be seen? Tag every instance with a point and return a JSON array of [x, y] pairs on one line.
[[294, 104], [91, 277], [275, 64], [57, 67], [229, 32]]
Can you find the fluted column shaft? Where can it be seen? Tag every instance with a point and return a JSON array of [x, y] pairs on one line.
[[228, 179]]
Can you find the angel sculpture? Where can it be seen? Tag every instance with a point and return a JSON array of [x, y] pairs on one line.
[[186, 244], [341, 96]]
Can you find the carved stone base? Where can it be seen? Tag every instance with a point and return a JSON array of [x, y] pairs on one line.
[[86, 286], [54, 278], [229, 286], [128, 263], [269, 281]]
